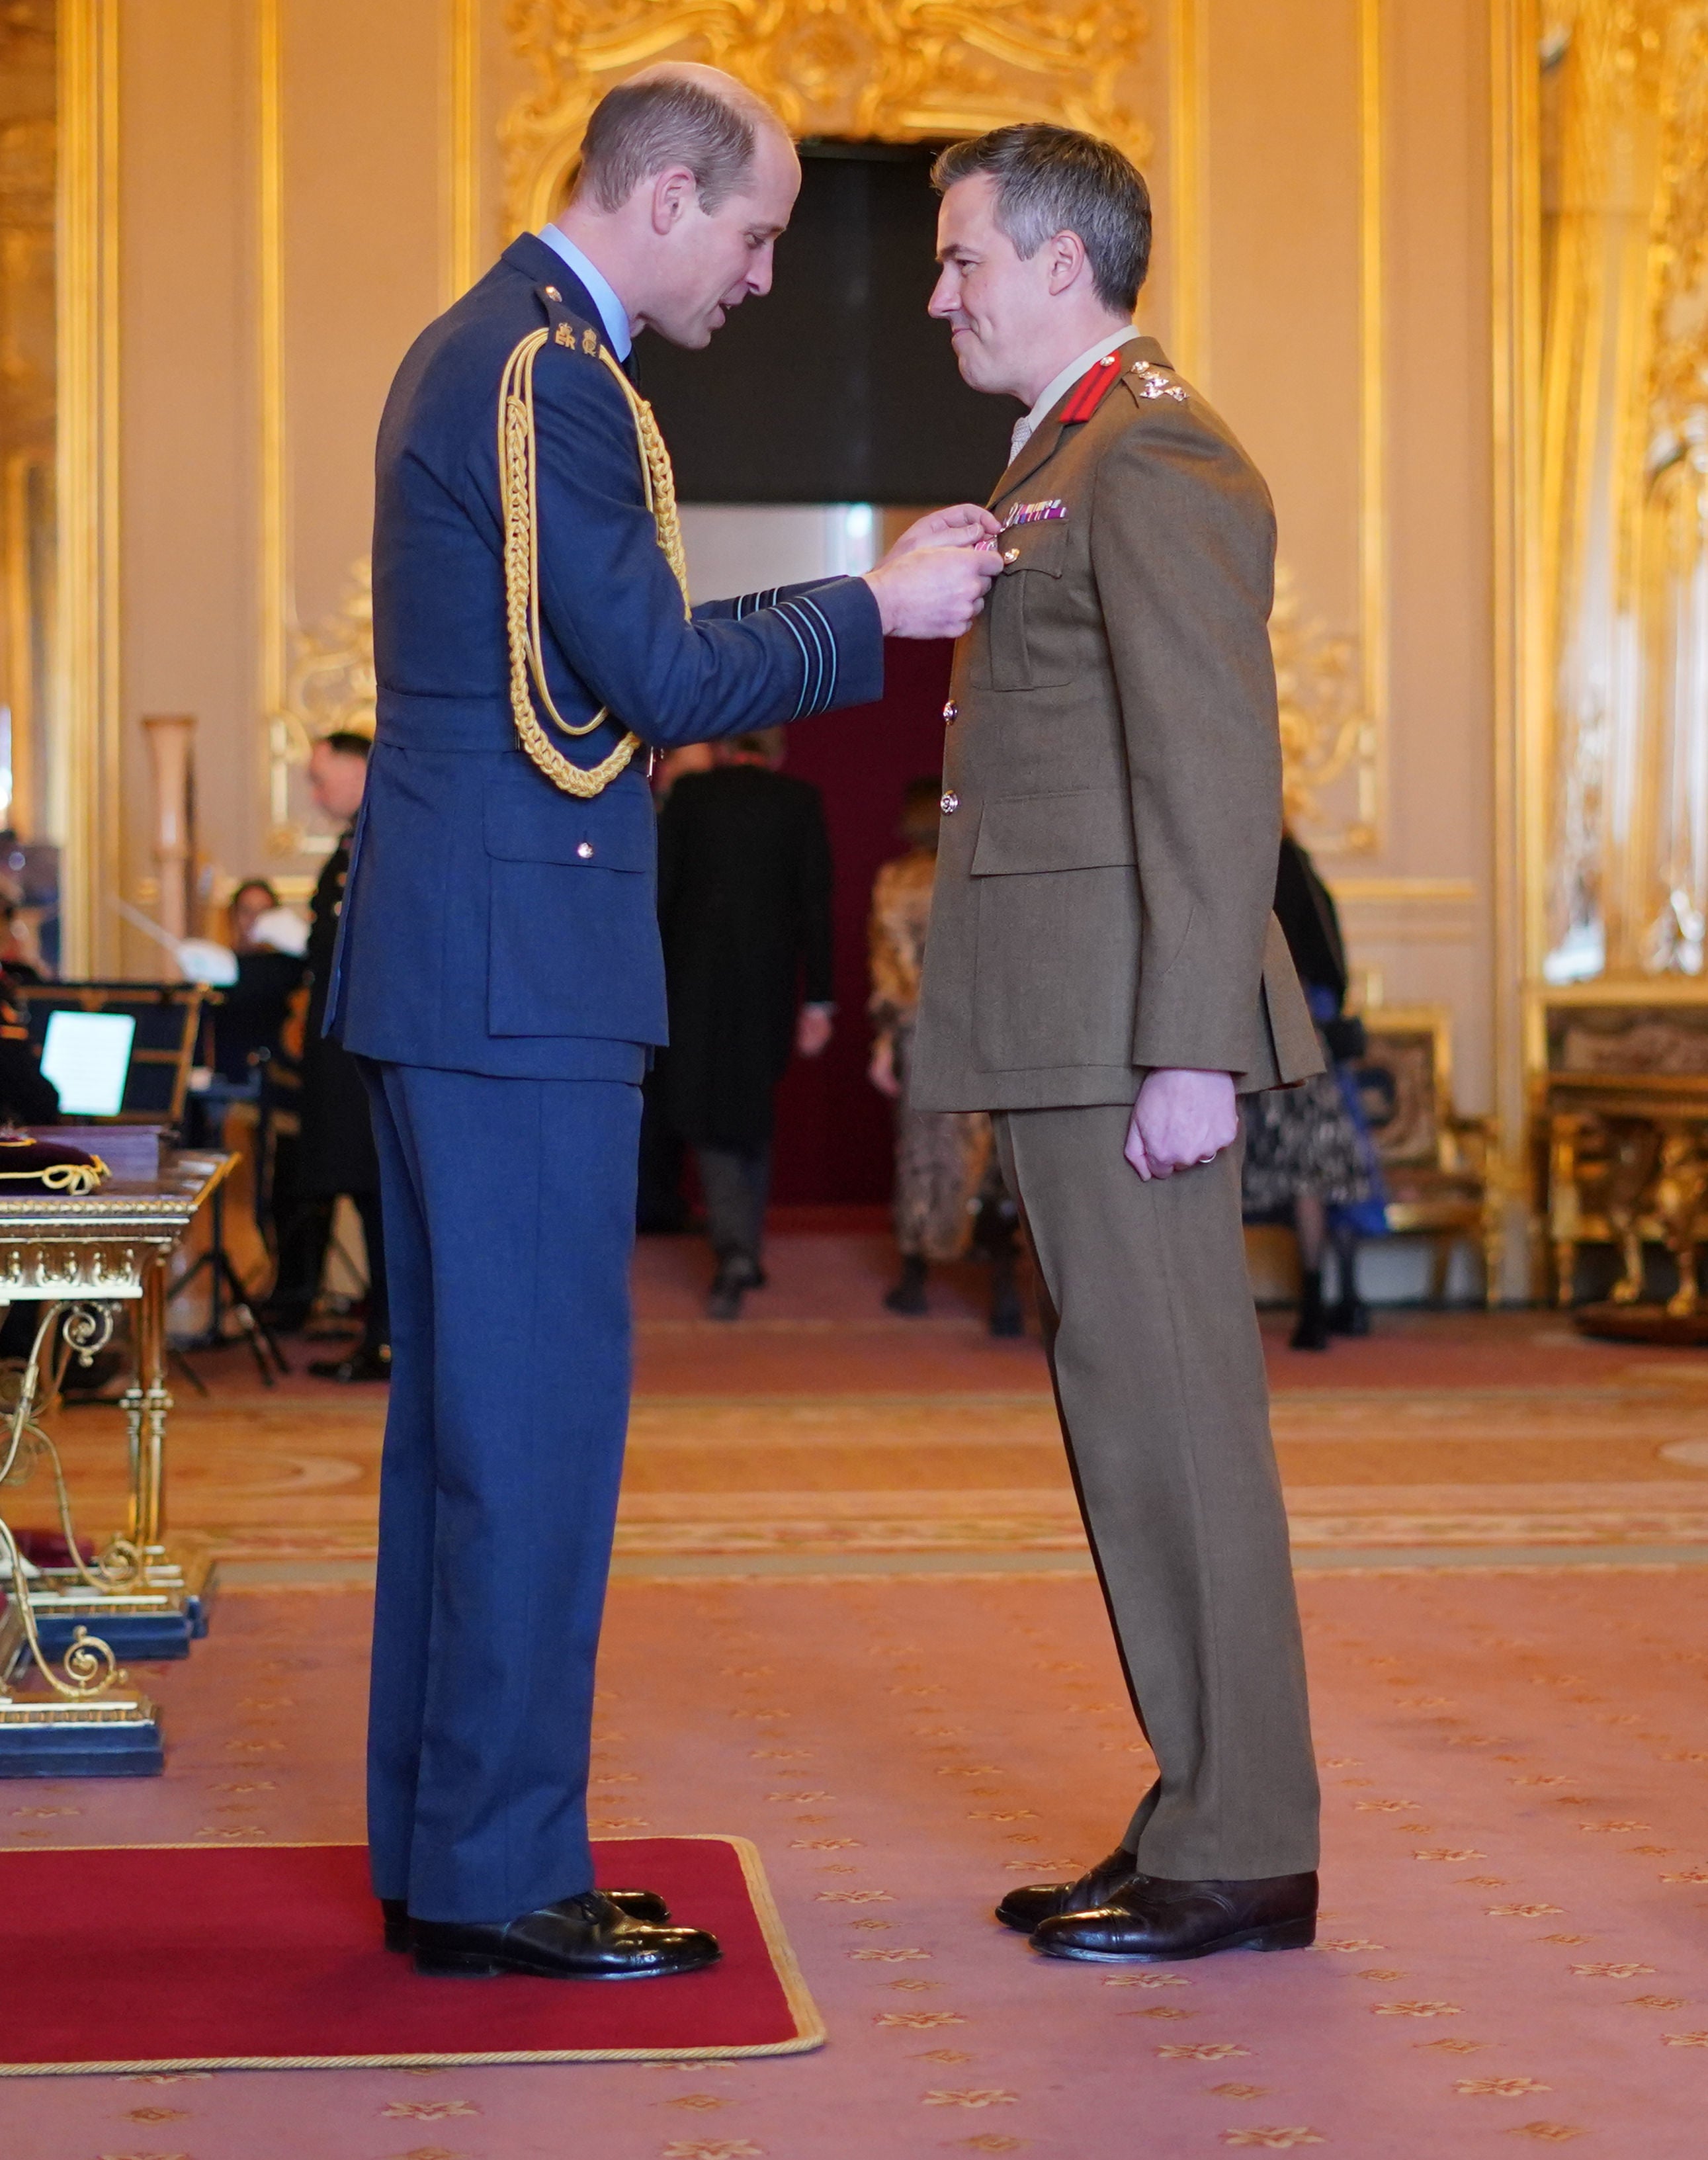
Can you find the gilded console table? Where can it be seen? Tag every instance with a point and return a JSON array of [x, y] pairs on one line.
[[83, 1258], [1628, 1164]]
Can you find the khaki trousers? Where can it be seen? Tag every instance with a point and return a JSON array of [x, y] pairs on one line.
[[1159, 1376]]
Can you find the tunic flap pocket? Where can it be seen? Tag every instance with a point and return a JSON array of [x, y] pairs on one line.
[[535, 823], [1040, 546], [1090, 829]]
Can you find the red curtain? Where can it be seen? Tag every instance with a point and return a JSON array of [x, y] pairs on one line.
[[833, 1133]]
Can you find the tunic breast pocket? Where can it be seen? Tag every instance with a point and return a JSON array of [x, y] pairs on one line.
[[573, 925], [1025, 646]]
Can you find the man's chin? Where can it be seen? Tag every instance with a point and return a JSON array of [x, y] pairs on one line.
[[971, 362], [691, 337]]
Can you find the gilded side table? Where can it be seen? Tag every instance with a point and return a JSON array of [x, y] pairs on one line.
[[84, 1258], [1627, 1165]]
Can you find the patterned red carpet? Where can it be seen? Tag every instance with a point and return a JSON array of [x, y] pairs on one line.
[[853, 1621], [1515, 1944]]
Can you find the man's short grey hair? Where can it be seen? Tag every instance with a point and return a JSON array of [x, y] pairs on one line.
[[644, 128], [1055, 180]]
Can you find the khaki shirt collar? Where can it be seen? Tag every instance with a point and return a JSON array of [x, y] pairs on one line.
[[1042, 445], [1059, 385]]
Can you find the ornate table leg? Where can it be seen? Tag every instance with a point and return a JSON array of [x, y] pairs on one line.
[[152, 1604], [89, 1723]]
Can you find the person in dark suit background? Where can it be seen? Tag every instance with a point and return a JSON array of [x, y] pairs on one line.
[[660, 1205], [251, 1015], [744, 892], [334, 1153]]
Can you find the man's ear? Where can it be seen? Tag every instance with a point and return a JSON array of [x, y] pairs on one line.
[[1065, 259], [673, 190]]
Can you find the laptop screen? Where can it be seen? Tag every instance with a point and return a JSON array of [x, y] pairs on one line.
[[87, 1056]]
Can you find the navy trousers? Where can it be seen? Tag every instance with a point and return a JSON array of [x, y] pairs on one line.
[[509, 1216]]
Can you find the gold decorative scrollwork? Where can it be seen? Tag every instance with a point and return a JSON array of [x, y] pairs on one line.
[[907, 70], [90, 1667], [1328, 749], [330, 688], [29, 1392]]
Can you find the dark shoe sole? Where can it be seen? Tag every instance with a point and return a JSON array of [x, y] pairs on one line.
[[479, 1965], [1283, 1935]]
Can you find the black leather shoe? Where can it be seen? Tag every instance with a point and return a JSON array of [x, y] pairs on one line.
[[1024, 1908], [585, 1938], [737, 1274], [908, 1294], [1157, 1921], [360, 1365], [638, 1904]]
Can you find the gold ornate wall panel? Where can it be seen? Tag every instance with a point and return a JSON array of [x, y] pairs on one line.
[[332, 322], [79, 796], [1624, 487], [28, 132], [1289, 141], [904, 69]]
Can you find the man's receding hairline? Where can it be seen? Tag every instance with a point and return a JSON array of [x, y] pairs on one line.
[[728, 89]]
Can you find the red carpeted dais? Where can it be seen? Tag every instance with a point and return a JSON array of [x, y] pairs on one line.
[[271, 1957]]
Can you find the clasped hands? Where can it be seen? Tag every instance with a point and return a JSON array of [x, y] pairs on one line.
[[933, 581], [1180, 1119]]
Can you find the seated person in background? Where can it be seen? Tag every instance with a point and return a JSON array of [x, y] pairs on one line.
[[949, 1192], [252, 1013], [1308, 1159], [27, 1096], [744, 907], [335, 1152], [20, 949]]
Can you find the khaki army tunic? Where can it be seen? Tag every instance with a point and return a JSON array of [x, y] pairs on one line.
[[1111, 800]]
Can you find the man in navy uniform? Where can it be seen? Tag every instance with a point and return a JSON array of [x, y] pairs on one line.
[[500, 977]]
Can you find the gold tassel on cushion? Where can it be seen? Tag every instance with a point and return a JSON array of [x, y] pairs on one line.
[[518, 480]]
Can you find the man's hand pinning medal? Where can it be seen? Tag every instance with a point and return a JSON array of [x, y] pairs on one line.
[[933, 580]]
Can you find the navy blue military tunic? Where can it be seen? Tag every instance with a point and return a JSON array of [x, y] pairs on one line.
[[494, 923], [499, 979]]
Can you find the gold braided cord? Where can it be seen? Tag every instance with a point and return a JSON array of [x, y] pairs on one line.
[[519, 480]]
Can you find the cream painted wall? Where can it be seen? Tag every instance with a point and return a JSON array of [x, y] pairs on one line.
[[367, 131], [187, 441], [1283, 155]]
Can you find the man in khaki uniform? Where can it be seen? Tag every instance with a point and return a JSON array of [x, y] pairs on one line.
[[1104, 975]]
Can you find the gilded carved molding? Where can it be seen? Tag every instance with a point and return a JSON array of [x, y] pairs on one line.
[[906, 70], [330, 688], [1328, 751], [914, 70]]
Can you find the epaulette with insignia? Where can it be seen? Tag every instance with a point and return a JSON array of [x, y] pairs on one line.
[[567, 330], [1149, 382]]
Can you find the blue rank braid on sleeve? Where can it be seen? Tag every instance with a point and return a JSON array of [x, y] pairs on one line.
[[518, 472], [816, 640]]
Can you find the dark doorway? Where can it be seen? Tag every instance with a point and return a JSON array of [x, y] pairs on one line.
[[837, 387]]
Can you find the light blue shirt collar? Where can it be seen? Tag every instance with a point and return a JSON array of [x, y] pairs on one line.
[[611, 311]]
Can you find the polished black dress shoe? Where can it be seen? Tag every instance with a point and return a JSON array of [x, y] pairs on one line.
[[638, 1904], [738, 1273], [585, 1938], [1158, 1922], [1032, 1902], [360, 1365]]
